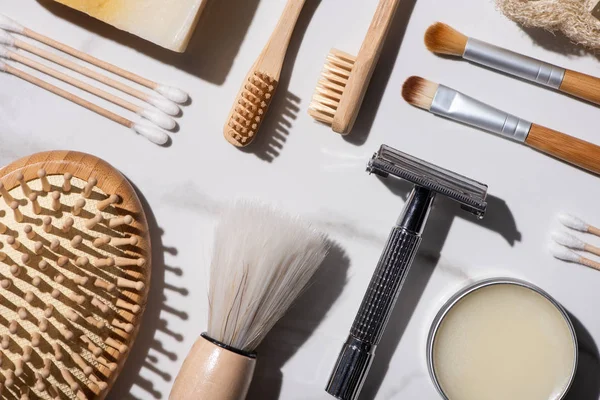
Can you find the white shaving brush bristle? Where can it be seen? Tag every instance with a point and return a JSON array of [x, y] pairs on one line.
[[568, 240], [262, 260], [573, 222]]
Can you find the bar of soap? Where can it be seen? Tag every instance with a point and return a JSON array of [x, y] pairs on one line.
[[168, 23]]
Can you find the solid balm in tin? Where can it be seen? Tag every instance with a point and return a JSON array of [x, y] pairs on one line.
[[502, 339]]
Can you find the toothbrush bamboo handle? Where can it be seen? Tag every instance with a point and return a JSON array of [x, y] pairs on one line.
[[567, 148], [580, 85], [212, 372], [380, 26]]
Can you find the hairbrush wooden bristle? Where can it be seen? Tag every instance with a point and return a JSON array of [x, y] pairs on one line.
[[74, 275]]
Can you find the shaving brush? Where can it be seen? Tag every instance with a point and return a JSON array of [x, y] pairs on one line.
[[262, 260]]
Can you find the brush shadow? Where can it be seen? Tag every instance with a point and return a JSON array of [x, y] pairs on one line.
[[557, 42], [436, 232], [215, 44], [586, 385], [152, 323], [285, 106], [381, 76], [298, 324]]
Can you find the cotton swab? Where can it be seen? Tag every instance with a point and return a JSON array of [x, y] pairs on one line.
[[153, 134], [577, 224], [153, 115], [573, 242], [173, 94], [563, 253], [159, 102]]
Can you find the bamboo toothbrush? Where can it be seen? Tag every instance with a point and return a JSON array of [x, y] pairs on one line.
[[171, 93], [563, 253], [153, 115], [151, 133], [446, 102], [159, 102], [443, 39], [345, 78], [260, 84], [573, 242], [578, 224], [262, 261]]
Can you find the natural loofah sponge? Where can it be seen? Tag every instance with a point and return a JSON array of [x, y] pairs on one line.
[[574, 18], [168, 23]]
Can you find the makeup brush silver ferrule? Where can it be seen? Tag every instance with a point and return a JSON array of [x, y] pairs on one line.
[[513, 63], [459, 107]]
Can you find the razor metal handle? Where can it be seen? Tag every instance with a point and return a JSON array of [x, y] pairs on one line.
[[513, 63], [354, 360]]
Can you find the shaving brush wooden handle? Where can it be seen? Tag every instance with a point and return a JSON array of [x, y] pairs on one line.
[[211, 371], [580, 85], [567, 148]]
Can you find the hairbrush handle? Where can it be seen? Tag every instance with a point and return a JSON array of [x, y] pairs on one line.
[[567, 148], [355, 359], [213, 371], [580, 85]]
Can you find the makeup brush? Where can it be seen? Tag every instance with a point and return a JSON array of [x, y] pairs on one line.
[[563, 253], [262, 260], [159, 102], [446, 102], [151, 133], [345, 78], [443, 39], [577, 224], [153, 115], [171, 93], [259, 86], [573, 242]]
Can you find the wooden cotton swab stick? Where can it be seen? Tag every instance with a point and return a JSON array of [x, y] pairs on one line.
[[563, 253], [573, 242], [173, 94], [155, 116], [578, 224], [159, 102], [151, 133]]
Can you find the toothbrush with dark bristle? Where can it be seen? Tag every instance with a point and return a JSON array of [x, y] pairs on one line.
[[446, 102], [443, 39]]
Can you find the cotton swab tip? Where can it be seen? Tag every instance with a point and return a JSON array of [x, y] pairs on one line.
[[151, 133], [562, 253], [4, 52], [6, 38], [10, 24], [159, 118], [573, 222], [173, 94], [2, 66], [568, 240], [164, 105]]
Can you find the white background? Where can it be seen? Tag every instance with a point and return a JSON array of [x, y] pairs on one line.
[[321, 175]]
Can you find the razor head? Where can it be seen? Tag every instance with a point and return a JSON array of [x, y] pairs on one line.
[[469, 193]]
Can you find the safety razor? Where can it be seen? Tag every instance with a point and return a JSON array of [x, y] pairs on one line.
[[429, 180]]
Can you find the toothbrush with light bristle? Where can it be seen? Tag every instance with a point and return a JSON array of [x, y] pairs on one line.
[[564, 254], [345, 78], [452, 104], [573, 242], [253, 100], [174, 94], [577, 224], [443, 39]]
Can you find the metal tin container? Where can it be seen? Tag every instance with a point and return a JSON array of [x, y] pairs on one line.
[[479, 285]]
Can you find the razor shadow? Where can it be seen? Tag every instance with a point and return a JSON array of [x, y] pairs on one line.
[[356, 356]]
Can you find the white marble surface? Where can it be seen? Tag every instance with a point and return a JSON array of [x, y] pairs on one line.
[[307, 169]]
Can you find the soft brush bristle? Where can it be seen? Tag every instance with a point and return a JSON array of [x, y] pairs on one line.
[[262, 260], [443, 39], [419, 92], [330, 87], [249, 111]]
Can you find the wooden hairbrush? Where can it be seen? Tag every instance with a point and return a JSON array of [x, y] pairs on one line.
[[74, 275]]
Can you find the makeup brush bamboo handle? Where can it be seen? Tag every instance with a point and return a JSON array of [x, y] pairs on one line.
[[567, 148], [212, 372], [580, 85]]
